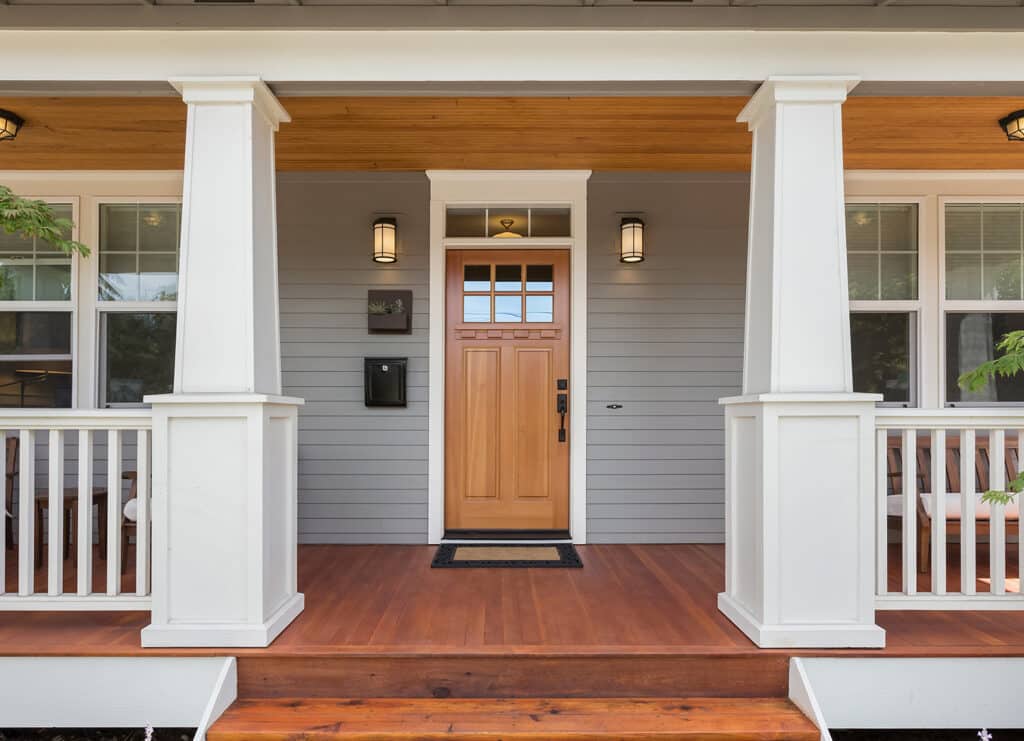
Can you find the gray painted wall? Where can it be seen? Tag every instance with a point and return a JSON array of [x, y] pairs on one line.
[[362, 472], [665, 342]]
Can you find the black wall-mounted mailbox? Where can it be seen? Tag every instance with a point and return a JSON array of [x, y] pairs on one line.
[[384, 381]]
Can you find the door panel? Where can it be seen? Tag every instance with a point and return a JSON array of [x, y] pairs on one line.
[[507, 346]]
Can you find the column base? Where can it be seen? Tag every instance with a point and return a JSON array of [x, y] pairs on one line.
[[224, 635], [801, 635]]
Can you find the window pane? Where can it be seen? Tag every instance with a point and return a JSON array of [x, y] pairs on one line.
[[963, 276], [508, 278], [539, 309], [139, 355], [1001, 275], [540, 277], [16, 279], [476, 278], [863, 276], [1001, 227], [508, 308], [476, 308], [63, 211], [119, 277], [35, 333], [119, 227], [963, 227], [898, 231], [14, 243], [158, 277], [35, 383], [861, 227], [158, 228], [53, 282], [465, 222], [971, 340], [899, 275], [497, 214], [550, 222], [881, 350]]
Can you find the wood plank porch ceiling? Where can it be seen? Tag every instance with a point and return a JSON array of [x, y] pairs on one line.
[[600, 133]]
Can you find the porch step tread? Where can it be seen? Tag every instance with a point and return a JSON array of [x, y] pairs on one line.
[[623, 719]]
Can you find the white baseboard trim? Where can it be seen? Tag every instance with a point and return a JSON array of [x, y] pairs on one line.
[[224, 635], [801, 635]]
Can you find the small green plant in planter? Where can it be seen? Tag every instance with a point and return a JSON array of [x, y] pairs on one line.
[[30, 218], [1010, 363]]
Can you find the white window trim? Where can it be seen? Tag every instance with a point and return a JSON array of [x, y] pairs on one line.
[[932, 190], [86, 190]]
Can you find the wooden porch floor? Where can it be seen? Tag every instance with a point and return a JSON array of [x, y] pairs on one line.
[[629, 599]]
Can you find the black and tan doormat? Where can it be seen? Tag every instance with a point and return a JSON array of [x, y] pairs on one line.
[[511, 556]]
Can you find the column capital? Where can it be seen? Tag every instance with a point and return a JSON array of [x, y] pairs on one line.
[[795, 89], [233, 89]]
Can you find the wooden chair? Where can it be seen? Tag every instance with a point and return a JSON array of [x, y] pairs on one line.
[[952, 471]]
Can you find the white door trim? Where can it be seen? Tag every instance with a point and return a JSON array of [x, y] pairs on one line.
[[509, 187]]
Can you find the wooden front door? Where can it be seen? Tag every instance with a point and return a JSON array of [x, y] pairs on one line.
[[507, 390]]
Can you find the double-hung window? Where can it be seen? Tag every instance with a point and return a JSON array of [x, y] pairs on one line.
[[137, 293], [37, 312], [883, 267], [983, 296]]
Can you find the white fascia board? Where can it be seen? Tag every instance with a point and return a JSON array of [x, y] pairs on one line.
[[506, 56]]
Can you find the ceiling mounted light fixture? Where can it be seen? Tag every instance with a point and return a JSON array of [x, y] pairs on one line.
[[1013, 125], [10, 125], [506, 224]]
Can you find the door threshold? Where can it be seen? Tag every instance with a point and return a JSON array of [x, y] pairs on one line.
[[507, 535]]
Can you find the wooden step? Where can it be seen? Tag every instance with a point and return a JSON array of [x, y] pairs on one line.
[[561, 719]]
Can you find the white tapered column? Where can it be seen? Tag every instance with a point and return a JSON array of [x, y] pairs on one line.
[[224, 443], [799, 442]]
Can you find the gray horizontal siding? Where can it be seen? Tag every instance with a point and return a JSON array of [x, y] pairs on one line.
[[666, 342], [362, 472]]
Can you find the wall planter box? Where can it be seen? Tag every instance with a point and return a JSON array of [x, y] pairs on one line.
[[389, 312]]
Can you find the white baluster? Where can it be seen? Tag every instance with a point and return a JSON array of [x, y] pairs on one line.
[[997, 520], [55, 510], [84, 540], [26, 512], [968, 503], [881, 512], [909, 480], [3, 519], [113, 512], [1020, 527], [938, 553], [142, 521]]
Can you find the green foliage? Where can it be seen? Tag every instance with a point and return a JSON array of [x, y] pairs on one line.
[[1010, 363], [30, 218]]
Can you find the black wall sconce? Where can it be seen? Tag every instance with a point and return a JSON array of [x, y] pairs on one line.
[[1013, 125], [631, 248], [385, 240], [10, 125]]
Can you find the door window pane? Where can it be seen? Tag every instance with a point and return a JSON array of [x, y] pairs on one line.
[[882, 351], [476, 308], [971, 340], [508, 308], [139, 251], [539, 277], [984, 251], [139, 357], [882, 253], [508, 278], [539, 309], [476, 278]]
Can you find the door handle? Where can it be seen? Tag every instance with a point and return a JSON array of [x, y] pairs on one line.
[[562, 409]]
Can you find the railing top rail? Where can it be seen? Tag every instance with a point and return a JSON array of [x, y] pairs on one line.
[[75, 419], [893, 418]]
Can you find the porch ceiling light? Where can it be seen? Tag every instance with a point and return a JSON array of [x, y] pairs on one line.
[[631, 248], [506, 224], [385, 240], [10, 124], [1013, 125]]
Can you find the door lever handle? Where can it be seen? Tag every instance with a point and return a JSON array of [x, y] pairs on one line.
[[562, 409]]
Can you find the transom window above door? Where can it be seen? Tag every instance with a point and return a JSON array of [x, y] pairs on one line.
[[506, 293], [507, 222]]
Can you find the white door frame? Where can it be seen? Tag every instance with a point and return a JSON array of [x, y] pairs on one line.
[[508, 188]]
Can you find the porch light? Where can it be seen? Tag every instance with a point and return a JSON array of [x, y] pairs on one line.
[[506, 224], [385, 239], [1013, 125], [632, 247], [10, 124]]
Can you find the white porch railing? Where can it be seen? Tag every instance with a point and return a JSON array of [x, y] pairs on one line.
[[61, 460], [911, 486]]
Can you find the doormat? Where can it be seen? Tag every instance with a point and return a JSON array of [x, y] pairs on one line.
[[500, 556]]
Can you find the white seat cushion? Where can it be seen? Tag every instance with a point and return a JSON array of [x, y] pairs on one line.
[[131, 509], [982, 510]]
